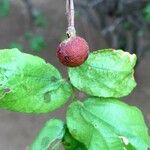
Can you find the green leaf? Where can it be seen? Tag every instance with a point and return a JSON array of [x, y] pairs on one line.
[[56, 146], [127, 121], [29, 84], [52, 132], [146, 12], [16, 45], [37, 43], [100, 123], [106, 73], [39, 18], [90, 130], [70, 143], [130, 147], [28, 35], [4, 7]]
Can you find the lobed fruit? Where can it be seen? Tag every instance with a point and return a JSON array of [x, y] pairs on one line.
[[73, 52]]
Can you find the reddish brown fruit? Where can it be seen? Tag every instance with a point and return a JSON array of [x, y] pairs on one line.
[[73, 51]]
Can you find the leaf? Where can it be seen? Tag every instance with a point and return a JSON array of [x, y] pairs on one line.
[[129, 147], [70, 143], [29, 84], [106, 73], [99, 122], [4, 7], [56, 146], [89, 130], [37, 43], [52, 132], [126, 120], [39, 18], [16, 45], [146, 12]]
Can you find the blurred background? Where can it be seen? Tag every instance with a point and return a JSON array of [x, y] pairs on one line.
[[37, 27]]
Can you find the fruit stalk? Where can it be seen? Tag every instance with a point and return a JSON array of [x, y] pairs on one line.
[[70, 17], [72, 52]]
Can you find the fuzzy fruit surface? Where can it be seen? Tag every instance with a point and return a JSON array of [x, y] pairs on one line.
[[73, 51]]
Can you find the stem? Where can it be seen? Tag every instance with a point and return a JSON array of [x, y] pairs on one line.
[[70, 17]]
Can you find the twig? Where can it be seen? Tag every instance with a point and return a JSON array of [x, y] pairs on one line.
[[112, 27], [70, 17], [30, 8], [94, 3]]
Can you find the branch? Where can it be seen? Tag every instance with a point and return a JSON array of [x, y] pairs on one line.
[[112, 27], [30, 8]]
